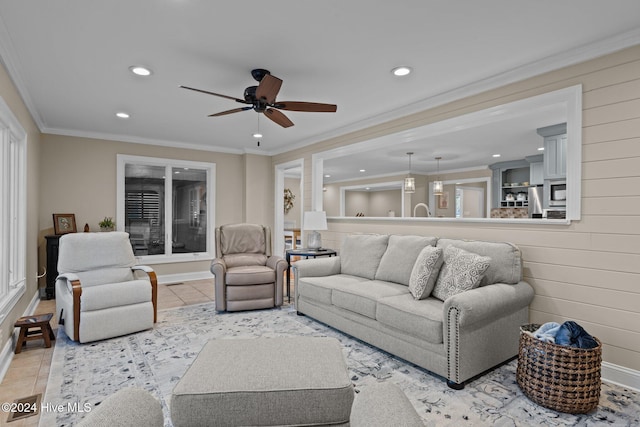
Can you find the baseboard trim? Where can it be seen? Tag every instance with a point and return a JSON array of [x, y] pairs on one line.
[[619, 375], [6, 356], [184, 277]]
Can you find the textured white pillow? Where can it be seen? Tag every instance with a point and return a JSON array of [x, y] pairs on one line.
[[460, 272], [425, 272]]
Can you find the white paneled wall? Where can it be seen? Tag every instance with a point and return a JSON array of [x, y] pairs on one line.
[[588, 271]]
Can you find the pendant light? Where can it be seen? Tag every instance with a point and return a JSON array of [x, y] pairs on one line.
[[409, 181], [438, 188]]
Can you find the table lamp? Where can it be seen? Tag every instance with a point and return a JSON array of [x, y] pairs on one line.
[[314, 221]]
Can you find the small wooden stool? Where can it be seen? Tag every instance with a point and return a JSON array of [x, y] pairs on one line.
[[44, 331]]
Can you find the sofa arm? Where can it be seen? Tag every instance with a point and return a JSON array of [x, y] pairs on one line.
[[326, 266], [276, 263], [279, 265], [487, 303], [153, 280], [69, 278], [219, 270]]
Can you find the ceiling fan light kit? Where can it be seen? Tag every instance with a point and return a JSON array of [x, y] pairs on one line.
[[262, 99]]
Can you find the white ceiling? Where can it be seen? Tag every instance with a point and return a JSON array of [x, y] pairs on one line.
[[70, 59]]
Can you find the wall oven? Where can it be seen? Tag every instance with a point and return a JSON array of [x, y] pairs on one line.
[[557, 193]]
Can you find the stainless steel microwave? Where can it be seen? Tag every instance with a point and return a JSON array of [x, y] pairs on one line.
[[558, 193]]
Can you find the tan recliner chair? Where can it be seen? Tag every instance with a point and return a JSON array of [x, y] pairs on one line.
[[247, 275], [98, 294]]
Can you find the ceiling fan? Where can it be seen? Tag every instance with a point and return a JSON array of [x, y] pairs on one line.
[[262, 99]]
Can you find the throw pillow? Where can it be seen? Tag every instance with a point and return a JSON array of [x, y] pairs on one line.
[[460, 272], [425, 272], [400, 257]]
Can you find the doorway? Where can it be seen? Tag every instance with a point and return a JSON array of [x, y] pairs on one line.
[[288, 176], [470, 202]]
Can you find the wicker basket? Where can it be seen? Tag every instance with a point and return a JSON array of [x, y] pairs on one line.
[[558, 377]]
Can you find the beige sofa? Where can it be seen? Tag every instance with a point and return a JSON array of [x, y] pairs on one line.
[[364, 293]]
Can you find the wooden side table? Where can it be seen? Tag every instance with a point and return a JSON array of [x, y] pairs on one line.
[[305, 252], [44, 330]]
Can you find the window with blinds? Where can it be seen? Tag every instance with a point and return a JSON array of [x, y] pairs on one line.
[[162, 204], [143, 205]]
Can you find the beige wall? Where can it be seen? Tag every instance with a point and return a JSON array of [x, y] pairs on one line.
[[587, 271], [78, 175], [258, 190], [10, 95]]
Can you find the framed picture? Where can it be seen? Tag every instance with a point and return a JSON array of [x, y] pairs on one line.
[[443, 200], [64, 223]]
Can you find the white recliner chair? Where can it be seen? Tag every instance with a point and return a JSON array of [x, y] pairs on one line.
[[98, 292]]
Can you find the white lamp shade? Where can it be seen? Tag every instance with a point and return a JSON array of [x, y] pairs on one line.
[[409, 185], [315, 220]]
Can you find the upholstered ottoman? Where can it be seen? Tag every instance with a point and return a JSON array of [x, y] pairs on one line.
[[265, 381]]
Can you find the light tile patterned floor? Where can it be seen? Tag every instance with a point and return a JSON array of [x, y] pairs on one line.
[[29, 371]]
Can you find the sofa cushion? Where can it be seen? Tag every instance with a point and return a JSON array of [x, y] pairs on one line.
[[242, 238], [425, 272], [460, 272], [400, 257], [101, 297], [320, 288], [250, 275], [506, 259], [237, 260], [362, 297], [420, 318], [361, 253], [105, 275]]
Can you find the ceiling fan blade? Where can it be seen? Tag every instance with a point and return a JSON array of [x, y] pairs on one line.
[[278, 117], [314, 107], [215, 94], [235, 110], [268, 88]]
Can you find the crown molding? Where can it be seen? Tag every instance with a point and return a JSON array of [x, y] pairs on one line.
[[140, 140], [550, 63]]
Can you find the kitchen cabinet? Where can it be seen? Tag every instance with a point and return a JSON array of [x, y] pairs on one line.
[[555, 151], [536, 173], [509, 179]]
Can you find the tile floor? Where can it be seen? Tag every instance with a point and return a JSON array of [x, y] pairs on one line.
[[29, 371]]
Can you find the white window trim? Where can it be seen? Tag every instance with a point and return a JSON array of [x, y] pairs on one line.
[[208, 255], [13, 217]]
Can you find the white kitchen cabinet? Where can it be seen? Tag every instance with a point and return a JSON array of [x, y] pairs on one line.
[[555, 157], [555, 151], [536, 173]]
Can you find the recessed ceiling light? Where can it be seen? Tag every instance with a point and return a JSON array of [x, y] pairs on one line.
[[257, 135], [363, 170], [401, 71], [140, 71], [327, 176], [496, 155], [123, 115], [540, 148]]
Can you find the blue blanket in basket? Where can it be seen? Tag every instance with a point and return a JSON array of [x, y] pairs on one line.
[[569, 333]]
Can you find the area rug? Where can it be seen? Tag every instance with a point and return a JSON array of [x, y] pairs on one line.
[[83, 375]]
